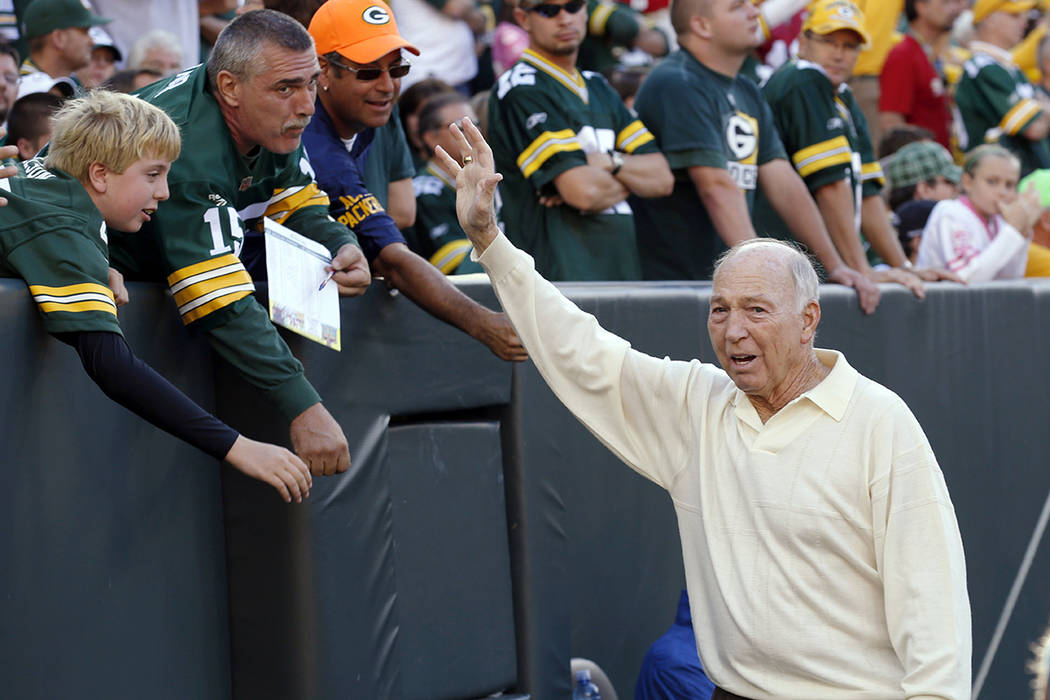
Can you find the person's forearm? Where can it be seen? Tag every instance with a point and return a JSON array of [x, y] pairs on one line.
[[136, 386], [589, 189], [646, 175], [725, 204], [837, 210], [424, 284], [889, 120], [790, 198], [875, 222], [250, 343]]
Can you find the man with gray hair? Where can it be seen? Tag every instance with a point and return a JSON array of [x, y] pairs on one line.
[[241, 116], [822, 554], [158, 49]]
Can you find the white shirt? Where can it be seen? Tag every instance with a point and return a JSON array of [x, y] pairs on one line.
[[957, 239], [822, 554], [446, 45]]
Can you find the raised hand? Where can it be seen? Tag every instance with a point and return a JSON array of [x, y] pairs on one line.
[[476, 182]]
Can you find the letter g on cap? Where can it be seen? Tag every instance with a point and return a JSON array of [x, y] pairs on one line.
[[376, 15]]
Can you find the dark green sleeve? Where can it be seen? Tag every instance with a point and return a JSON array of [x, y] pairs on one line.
[[249, 342], [770, 146], [68, 277], [616, 24]]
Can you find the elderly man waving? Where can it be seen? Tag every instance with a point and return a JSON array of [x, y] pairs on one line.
[[822, 554]]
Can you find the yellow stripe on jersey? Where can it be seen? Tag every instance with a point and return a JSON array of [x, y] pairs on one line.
[[872, 171], [1019, 115], [600, 17], [825, 154], [634, 135], [546, 145], [203, 287], [449, 256], [286, 202], [74, 298]]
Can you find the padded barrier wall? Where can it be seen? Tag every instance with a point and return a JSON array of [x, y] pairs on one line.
[[480, 538]]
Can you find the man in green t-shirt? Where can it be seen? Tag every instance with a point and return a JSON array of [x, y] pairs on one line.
[[570, 153], [718, 135], [995, 100], [826, 135]]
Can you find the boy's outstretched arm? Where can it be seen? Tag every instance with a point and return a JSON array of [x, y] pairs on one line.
[[132, 383]]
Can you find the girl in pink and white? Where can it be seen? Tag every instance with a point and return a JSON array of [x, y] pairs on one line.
[[985, 233]]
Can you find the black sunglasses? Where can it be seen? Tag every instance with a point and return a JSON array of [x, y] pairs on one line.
[[398, 70], [549, 9]]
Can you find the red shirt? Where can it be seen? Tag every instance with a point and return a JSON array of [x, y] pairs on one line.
[[912, 87]]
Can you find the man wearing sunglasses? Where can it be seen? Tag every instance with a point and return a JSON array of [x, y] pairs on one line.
[[360, 54], [570, 152]]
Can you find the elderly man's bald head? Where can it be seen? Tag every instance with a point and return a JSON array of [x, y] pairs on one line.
[[778, 255]]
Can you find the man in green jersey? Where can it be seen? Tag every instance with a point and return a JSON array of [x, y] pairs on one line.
[[718, 135], [826, 136], [242, 115], [107, 166], [570, 152], [995, 100]]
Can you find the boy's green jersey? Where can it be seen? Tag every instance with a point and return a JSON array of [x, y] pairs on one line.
[[53, 237]]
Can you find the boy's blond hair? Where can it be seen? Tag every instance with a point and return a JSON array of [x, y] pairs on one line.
[[109, 128]]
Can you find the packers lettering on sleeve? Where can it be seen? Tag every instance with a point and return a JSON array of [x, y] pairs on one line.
[[74, 298], [204, 287], [358, 208]]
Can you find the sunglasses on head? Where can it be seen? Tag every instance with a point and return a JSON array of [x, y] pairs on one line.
[[398, 70], [549, 9]]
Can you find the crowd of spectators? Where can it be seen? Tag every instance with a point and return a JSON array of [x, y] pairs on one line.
[[797, 105]]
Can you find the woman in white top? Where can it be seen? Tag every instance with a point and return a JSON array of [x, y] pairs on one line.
[[985, 233]]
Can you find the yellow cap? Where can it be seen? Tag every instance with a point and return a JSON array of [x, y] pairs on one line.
[[827, 16], [983, 8]]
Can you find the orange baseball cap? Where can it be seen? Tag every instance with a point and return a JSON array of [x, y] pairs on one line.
[[360, 30]]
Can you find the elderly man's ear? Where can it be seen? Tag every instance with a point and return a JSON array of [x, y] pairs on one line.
[[810, 319]]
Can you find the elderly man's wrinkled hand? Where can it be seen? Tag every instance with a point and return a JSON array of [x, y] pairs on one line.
[[476, 182]]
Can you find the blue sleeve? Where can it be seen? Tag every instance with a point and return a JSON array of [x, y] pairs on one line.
[[672, 671]]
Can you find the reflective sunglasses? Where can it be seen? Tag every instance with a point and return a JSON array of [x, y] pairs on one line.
[[398, 70], [550, 10]]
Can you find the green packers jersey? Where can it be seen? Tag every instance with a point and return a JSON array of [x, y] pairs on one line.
[[610, 26], [996, 103], [53, 237], [437, 235], [549, 121], [706, 119], [194, 240], [825, 135]]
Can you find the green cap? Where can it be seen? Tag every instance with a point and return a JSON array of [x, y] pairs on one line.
[[921, 161], [45, 16], [1040, 180]]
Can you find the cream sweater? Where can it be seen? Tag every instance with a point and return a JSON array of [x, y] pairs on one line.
[[821, 550]]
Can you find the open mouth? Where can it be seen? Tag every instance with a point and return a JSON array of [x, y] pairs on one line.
[[741, 361], [148, 213]]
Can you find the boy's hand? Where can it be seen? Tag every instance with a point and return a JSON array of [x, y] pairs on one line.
[[116, 285], [351, 272], [275, 465]]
